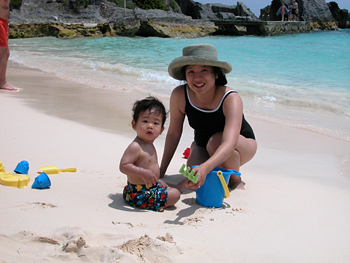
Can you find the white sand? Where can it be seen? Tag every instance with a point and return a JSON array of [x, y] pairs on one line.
[[296, 206]]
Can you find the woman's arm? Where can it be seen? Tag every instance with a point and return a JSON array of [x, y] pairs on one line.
[[233, 111], [177, 116]]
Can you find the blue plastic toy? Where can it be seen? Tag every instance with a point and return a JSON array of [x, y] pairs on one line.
[[42, 181], [22, 167]]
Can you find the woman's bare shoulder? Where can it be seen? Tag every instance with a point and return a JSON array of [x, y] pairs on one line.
[[179, 90], [177, 99], [227, 89]]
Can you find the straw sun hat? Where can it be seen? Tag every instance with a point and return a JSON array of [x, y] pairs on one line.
[[197, 54]]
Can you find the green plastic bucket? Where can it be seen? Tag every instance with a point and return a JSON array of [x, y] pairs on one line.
[[212, 192]]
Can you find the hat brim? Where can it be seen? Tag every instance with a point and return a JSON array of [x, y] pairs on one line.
[[175, 67]]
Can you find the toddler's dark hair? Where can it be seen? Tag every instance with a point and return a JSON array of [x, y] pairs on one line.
[[149, 104]]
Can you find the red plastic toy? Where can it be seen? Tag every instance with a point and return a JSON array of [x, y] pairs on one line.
[[186, 153]]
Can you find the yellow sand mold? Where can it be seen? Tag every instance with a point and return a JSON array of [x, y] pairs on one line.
[[14, 180], [2, 168]]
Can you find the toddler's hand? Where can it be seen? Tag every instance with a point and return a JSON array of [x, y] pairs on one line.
[[149, 178]]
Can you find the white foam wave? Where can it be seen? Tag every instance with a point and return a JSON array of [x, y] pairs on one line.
[[293, 96], [158, 77], [119, 68]]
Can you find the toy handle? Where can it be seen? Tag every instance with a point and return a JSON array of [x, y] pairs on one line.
[[224, 185], [68, 170]]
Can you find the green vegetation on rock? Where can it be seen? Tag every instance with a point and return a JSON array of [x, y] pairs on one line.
[[120, 3], [15, 4], [150, 4]]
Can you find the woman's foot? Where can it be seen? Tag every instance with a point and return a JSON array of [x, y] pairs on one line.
[[7, 86], [235, 182], [182, 185]]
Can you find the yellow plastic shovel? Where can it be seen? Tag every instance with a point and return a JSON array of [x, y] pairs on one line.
[[51, 169]]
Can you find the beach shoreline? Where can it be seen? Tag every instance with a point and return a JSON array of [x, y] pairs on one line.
[[295, 207], [313, 98]]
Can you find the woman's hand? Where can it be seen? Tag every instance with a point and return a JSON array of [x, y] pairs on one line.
[[202, 171]]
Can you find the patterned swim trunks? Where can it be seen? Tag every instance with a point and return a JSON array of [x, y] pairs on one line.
[[146, 197]]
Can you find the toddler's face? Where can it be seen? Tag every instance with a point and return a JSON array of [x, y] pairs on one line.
[[149, 125]]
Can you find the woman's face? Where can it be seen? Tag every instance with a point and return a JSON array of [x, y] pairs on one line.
[[200, 78]]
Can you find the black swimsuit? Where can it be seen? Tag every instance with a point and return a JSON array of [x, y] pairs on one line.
[[208, 122]]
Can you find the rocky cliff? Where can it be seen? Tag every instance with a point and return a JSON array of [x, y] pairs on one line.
[[65, 19], [318, 12], [186, 18], [215, 11], [68, 18], [102, 11], [341, 16]]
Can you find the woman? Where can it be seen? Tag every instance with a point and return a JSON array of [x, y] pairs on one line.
[[223, 138], [282, 10]]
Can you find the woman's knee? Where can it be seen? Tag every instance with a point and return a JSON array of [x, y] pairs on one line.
[[247, 149], [214, 143], [233, 162], [197, 156]]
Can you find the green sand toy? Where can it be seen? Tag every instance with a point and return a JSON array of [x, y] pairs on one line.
[[189, 175]]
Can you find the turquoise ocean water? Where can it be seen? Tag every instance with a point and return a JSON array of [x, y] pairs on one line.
[[302, 80]]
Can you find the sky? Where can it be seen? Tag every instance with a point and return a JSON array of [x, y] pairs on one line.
[[256, 5]]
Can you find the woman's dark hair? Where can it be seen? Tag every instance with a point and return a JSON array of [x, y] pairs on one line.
[[220, 81], [151, 104]]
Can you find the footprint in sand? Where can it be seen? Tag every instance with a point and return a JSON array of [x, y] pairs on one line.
[[237, 207], [194, 221], [67, 243], [47, 240], [129, 224], [167, 238], [151, 250], [34, 205], [123, 223], [42, 205], [74, 245], [203, 211]]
